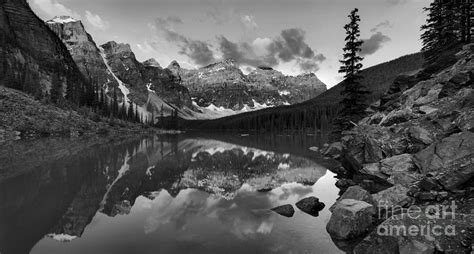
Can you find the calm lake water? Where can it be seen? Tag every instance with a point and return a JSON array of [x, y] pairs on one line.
[[173, 194]]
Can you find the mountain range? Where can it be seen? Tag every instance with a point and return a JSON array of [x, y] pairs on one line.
[[213, 91]]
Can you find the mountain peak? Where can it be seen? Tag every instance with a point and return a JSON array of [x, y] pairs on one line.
[[174, 65], [62, 20], [152, 63]]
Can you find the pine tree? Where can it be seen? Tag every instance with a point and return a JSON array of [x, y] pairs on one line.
[[355, 94], [130, 116], [448, 23]]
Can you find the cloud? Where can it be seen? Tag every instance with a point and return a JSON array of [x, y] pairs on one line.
[[96, 21], [249, 21], [198, 51], [53, 8], [289, 46], [374, 43], [384, 24]]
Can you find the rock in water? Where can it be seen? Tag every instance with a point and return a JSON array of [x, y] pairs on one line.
[[310, 205], [350, 219], [284, 210]]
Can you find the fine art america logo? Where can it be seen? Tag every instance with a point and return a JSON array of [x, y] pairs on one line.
[[418, 221]]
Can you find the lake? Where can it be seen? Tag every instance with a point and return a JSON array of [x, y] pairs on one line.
[[164, 194]]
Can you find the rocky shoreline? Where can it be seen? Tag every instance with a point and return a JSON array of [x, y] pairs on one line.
[[406, 171]]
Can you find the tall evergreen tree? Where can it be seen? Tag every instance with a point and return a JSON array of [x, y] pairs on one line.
[[355, 94]]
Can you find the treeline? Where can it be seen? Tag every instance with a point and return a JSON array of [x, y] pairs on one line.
[[105, 106], [449, 22], [287, 120]]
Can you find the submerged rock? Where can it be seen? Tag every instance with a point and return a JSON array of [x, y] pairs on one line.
[[350, 219], [284, 210], [310, 205]]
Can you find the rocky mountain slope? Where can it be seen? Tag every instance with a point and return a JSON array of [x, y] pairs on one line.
[[223, 84], [420, 143], [31, 54], [84, 51]]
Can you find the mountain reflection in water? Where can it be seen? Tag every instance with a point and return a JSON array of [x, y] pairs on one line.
[[161, 195]]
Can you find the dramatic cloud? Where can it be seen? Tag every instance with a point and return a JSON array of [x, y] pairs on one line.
[[52, 8], [96, 21], [374, 43], [289, 46], [385, 24], [198, 51]]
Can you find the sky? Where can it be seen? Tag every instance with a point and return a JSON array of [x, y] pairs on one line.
[[292, 36]]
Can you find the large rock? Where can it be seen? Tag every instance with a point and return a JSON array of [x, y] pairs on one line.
[[355, 193], [398, 116], [284, 210], [310, 205], [443, 153], [350, 219], [458, 173], [369, 144], [392, 197], [420, 135], [400, 163], [374, 169]]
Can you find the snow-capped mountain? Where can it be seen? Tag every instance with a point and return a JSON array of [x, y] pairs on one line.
[[214, 91], [224, 85]]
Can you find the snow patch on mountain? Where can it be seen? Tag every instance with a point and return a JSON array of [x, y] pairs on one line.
[[62, 20], [62, 237]]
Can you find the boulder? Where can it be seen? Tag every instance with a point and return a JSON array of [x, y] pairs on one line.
[[405, 179], [334, 150], [392, 197], [413, 233], [284, 210], [373, 169], [369, 144], [399, 163], [310, 205], [443, 153], [431, 96], [465, 121], [350, 219], [398, 116], [421, 135], [429, 183], [458, 173], [356, 193], [427, 109]]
